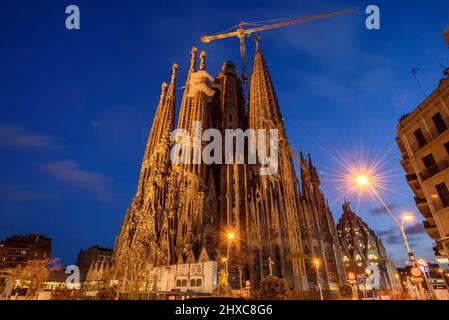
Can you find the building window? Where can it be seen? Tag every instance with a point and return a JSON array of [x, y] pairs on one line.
[[420, 138], [358, 260], [195, 282], [439, 122], [346, 262], [430, 164], [446, 145], [184, 230], [443, 193], [373, 259]]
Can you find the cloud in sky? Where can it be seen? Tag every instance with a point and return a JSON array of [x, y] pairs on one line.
[[417, 228], [393, 238], [16, 194], [70, 173], [392, 235], [14, 135], [381, 210]]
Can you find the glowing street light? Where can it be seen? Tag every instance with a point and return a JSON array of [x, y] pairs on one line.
[[318, 279], [364, 181], [230, 236], [406, 217]]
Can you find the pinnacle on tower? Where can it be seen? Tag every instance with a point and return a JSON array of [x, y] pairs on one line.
[[203, 60], [182, 120], [164, 118], [171, 89]]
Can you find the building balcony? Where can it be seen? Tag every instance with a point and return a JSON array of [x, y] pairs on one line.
[[442, 250], [420, 201], [411, 177], [433, 170], [425, 211], [431, 230], [428, 137]]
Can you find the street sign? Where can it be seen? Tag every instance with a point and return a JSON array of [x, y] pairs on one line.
[[422, 262], [416, 272]]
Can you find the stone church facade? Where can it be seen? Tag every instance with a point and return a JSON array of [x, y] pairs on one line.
[[181, 212], [361, 248]]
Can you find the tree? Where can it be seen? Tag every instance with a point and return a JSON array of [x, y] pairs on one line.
[[241, 258], [273, 287], [32, 275], [223, 288]]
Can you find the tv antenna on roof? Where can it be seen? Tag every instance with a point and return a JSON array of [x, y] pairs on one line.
[[414, 70]]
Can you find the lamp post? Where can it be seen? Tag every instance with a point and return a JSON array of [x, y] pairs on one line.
[[363, 181], [230, 237], [318, 279]]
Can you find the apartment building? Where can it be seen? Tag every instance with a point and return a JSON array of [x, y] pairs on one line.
[[423, 139]]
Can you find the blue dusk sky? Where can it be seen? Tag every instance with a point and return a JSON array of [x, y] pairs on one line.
[[76, 106]]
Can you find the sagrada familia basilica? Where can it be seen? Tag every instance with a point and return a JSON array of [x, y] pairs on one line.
[[181, 212]]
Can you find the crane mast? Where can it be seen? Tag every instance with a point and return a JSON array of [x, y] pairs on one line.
[[241, 33]]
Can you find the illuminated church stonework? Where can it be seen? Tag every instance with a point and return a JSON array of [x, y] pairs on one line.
[[181, 212], [361, 248]]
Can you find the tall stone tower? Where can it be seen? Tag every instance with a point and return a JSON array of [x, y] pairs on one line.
[[273, 220], [320, 238], [144, 239], [184, 206]]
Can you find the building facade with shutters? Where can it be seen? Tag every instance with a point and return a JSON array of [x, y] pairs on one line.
[[423, 140]]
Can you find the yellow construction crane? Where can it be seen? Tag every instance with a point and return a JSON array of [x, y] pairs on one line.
[[240, 32]]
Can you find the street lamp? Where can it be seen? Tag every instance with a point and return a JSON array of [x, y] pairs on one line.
[[364, 181], [318, 279], [230, 236]]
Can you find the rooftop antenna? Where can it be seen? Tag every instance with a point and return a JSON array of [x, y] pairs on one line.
[[445, 69], [414, 70]]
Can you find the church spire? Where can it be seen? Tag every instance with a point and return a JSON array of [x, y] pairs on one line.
[[263, 105], [183, 121], [164, 118], [170, 104]]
